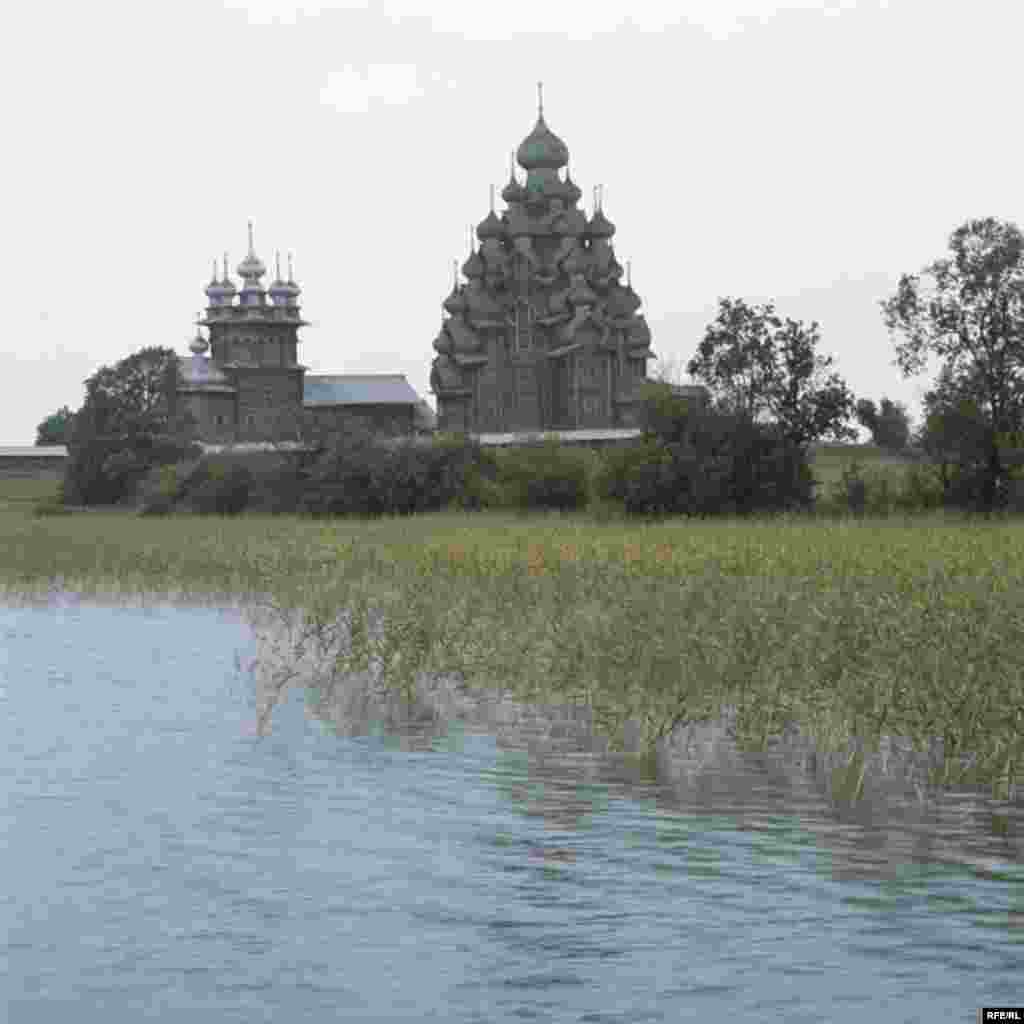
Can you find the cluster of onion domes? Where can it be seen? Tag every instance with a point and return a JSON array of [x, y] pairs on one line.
[[222, 292], [542, 259]]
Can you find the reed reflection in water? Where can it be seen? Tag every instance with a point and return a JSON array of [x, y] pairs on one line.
[[484, 863]]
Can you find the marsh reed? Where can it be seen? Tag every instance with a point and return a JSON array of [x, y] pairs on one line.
[[909, 627]]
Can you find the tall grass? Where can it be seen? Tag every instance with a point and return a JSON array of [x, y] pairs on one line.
[[906, 627]]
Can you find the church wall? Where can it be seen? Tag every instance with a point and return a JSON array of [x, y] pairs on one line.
[[206, 407], [386, 418], [262, 395], [527, 385], [258, 344], [592, 391], [491, 384]]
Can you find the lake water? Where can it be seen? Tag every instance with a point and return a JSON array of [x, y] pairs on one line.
[[161, 858]]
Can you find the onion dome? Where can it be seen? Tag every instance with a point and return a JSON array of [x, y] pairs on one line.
[[251, 269], [294, 291], [455, 303], [227, 285], [494, 257], [442, 343], [279, 290], [623, 302], [513, 192], [600, 226], [490, 227], [474, 266], [215, 290], [580, 293], [639, 333], [542, 148], [571, 189], [198, 345], [632, 299]]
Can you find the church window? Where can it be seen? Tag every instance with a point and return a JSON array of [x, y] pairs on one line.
[[250, 420], [219, 419], [268, 397]]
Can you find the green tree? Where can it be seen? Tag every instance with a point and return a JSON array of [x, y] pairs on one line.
[[967, 309], [889, 424], [128, 423], [757, 365], [56, 428], [138, 395]]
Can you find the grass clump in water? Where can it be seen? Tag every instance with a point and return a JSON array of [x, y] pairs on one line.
[[905, 628]]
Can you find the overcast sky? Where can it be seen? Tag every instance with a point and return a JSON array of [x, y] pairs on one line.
[[807, 151]]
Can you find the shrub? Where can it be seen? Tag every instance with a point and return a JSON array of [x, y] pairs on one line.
[[640, 478], [400, 478], [922, 488], [218, 487], [108, 471], [706, 462], [544, 476], [161, 488]]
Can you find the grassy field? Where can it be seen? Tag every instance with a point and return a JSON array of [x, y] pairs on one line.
[[25, 491], [908, 627]]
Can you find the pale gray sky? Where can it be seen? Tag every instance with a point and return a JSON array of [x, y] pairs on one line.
[[807, 151]]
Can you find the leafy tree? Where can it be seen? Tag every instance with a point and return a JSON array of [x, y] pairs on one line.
[[967, 309], [138, 395], [867, 414], [128, 423], [889, 425], [954, 435], [56, 429], [757, 365]]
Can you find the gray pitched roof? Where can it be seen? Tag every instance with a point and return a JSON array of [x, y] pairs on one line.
[[358, 389]]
